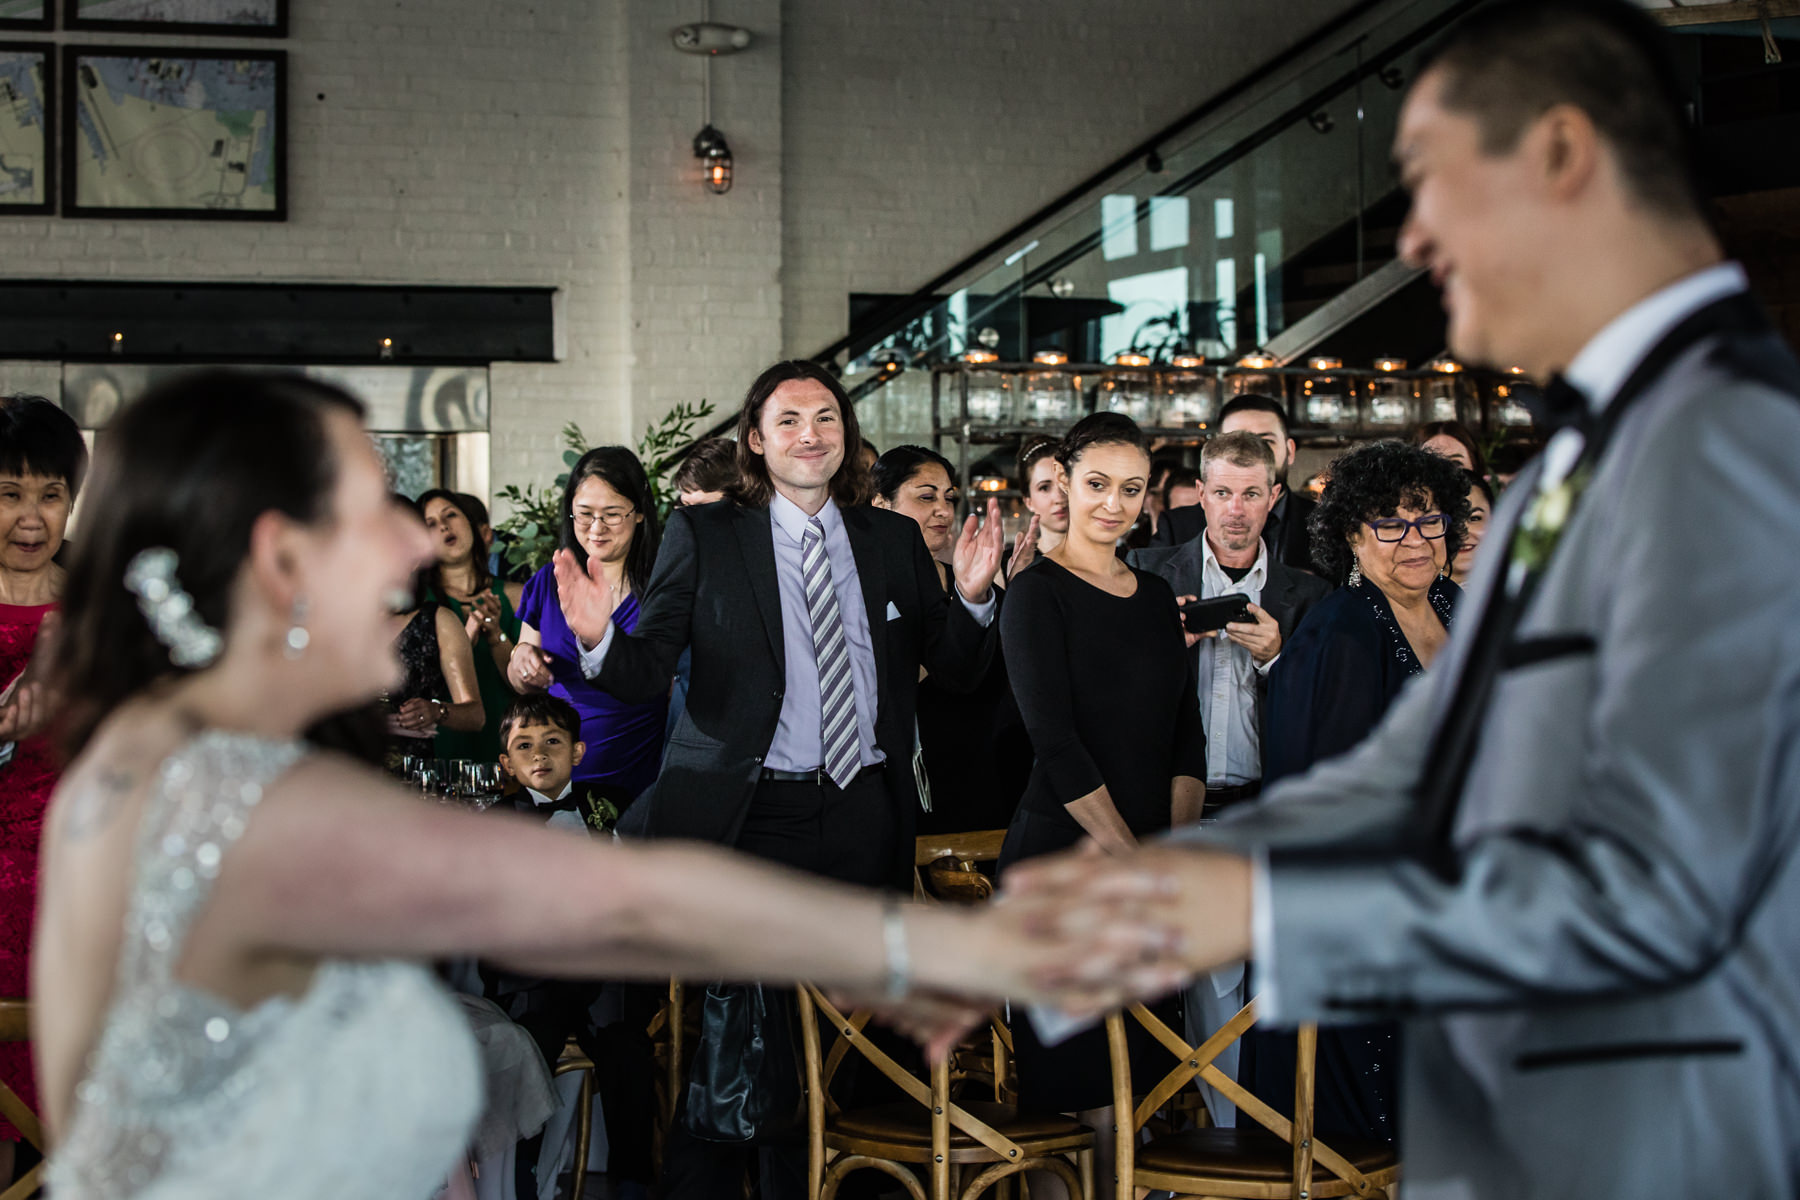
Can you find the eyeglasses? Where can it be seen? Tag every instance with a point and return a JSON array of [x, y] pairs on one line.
[[1431, 526], [612, 518]]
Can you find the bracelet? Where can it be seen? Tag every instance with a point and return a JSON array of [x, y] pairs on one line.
[[899, 962], [438, 709]]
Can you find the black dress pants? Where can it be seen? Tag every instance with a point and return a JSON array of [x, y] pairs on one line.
[[844, 834]]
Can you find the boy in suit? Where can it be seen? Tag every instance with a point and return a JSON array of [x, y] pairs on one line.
[[541, 734]]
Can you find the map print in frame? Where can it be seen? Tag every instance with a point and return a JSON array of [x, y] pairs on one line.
[[27, 125], [176, 133], [237, 18], [27, 14]]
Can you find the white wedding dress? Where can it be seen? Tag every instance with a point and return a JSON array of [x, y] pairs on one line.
[[366, 1086]]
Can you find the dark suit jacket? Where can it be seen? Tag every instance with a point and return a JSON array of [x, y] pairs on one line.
[[715, 591], [1289, 539], [1288, 595]]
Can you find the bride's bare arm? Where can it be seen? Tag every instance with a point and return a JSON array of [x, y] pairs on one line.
[[336, 862]]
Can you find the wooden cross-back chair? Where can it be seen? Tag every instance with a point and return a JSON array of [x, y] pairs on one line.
[[965, 1147], [947, 868], [667, 1031], [945, 865], [1286, 1161], [15, 1026]]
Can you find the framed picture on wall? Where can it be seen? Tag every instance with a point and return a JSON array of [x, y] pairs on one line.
[[27, 128], [27, 14], [230, 18], [175, 133]]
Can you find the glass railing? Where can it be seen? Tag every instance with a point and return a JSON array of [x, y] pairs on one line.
[[1254, 219]]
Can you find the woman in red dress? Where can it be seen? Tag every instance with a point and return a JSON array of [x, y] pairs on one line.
[[42, 458]]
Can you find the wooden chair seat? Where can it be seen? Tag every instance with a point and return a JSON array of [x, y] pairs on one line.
[[1252, 1156], [902, 1131]]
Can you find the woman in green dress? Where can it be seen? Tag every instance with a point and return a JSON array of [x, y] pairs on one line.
[[461, 582]]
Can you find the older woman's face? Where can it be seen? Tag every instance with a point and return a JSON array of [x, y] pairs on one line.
[[1404, 567], [1044, 495], [34, 512], [605, 521], [1448, 447], [1479, 512], [929, 498]]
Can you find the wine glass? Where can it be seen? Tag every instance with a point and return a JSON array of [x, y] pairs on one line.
[[482, 782]]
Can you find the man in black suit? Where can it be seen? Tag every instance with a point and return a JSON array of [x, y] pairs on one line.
[[1285, 530], [1238, 489], [809, 616]]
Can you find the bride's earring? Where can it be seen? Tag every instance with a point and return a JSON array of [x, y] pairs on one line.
[[298, 639]]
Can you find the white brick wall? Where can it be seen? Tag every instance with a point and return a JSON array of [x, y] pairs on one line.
[[549, 143]]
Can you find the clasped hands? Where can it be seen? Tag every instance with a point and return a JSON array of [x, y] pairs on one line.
[[1083, 932]]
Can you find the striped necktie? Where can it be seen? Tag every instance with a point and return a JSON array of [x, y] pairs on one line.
[[839, 752]]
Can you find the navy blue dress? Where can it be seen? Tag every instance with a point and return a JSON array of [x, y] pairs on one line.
[[1329, 689]]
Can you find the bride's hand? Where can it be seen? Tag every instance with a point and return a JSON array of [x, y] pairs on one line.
[[1111, 941], [1204, 896]]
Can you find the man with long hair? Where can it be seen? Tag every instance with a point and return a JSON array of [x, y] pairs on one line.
[[809, 615]]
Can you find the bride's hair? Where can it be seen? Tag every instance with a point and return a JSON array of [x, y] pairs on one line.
[[190, 466]]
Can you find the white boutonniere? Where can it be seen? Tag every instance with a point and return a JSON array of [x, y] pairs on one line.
[[1542, 526]]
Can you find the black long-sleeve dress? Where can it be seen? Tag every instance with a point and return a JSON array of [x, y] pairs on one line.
[[1106, 687], [1331, 686]]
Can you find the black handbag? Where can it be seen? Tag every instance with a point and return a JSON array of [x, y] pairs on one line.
[[744, 1083]]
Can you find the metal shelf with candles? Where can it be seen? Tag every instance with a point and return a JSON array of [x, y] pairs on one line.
[[979, 401]]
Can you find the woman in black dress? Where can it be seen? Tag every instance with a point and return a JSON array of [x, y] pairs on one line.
[[1387, 527], [974, 745], [1097, 656]]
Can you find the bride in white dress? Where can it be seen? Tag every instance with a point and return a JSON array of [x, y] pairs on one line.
[[227, 985]]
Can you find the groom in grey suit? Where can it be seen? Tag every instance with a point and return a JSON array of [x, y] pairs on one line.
[[1568, 856]]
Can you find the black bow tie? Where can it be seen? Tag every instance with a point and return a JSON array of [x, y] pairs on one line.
[[1558, 405]]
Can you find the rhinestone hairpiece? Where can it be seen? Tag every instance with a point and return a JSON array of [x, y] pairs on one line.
[[170, 610]]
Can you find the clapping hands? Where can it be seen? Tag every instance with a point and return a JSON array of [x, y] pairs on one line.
[[976, 556]]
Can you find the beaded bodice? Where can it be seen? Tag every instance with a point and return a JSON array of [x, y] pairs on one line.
[[365, 1086]]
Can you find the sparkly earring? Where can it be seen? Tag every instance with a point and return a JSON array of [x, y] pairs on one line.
[[297, 638], [1355, 573]]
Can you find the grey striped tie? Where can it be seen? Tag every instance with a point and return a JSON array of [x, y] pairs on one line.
[[839, 751]]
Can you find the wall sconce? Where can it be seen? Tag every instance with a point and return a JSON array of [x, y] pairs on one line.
[[118, 343], [715, 158], [386, 348]]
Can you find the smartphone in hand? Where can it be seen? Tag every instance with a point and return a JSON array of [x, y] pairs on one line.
[[1204, 616]]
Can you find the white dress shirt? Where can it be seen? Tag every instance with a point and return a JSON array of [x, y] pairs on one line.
[[561, 820], [1597, 372], [1226, 677]]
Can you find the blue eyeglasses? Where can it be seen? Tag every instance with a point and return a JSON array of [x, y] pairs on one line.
[[1431, 526]]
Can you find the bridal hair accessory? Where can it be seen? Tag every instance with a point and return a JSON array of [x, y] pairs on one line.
[[192, 643]]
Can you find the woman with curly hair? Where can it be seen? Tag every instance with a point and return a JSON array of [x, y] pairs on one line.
[[1387, 528]]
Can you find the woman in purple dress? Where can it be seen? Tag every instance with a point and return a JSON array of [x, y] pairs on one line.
[[609, 525]]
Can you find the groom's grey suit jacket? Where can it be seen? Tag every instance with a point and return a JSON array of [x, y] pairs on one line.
[[1601, 968]]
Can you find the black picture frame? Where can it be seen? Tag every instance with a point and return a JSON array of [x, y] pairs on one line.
[[46, 21], [80, 202], [73, 20], [48, 160]]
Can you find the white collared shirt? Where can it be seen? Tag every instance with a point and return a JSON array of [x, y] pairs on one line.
[[570, 821], [538, 799], [1226, 678]]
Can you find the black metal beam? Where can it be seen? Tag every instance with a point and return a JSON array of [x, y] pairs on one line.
[[85, 321]]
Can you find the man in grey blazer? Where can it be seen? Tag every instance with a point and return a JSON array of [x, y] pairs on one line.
[[1567, 856], [1238, 486]]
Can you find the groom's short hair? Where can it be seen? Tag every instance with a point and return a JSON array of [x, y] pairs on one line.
[[1514, 60]]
